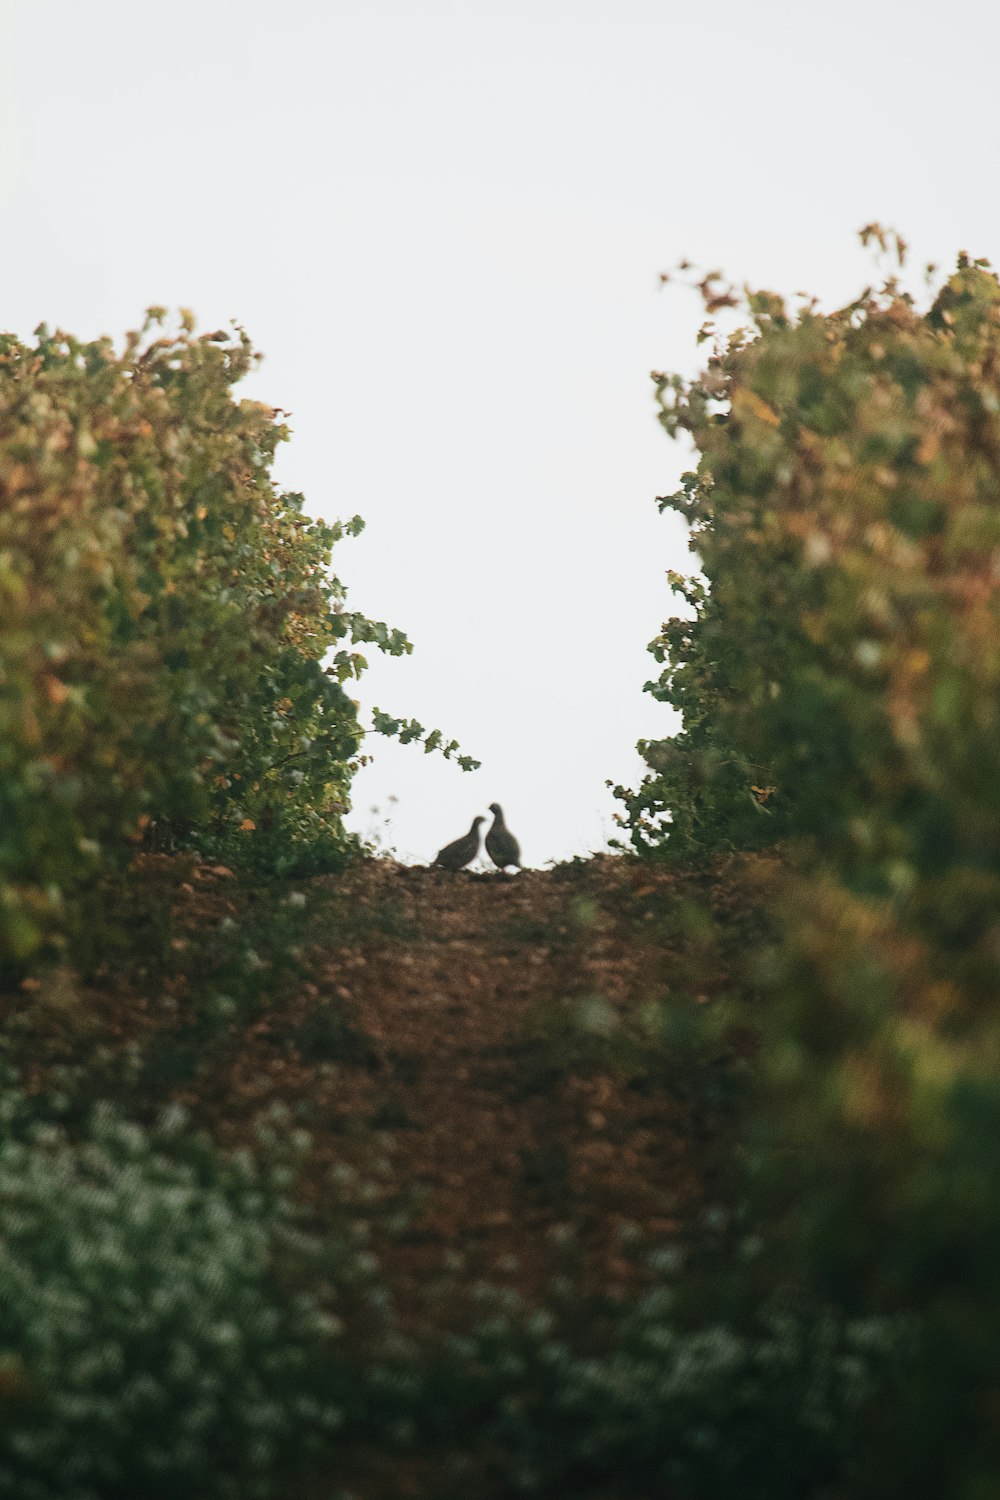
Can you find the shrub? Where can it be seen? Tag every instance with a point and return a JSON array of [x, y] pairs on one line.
[[147, 1345], [647, 1407], [844, 660], [704, 793], [845, 511], [174, 651]]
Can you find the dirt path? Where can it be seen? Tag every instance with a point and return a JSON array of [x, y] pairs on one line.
[[477, 1043]]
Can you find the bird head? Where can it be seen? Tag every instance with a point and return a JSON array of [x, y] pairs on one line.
[[476, 821], [496, 809]]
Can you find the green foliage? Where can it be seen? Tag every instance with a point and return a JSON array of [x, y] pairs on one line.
[[147, 1347], [874, 1148], [846, 651], [844, 508], [407, 731], [704, 794], [640, 1405], [174, 651]]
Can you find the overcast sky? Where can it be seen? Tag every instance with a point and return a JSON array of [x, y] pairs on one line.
[[443, 225]]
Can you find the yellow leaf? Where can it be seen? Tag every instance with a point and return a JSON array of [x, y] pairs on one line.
[[248, 825], [749, 401], [928, 448]]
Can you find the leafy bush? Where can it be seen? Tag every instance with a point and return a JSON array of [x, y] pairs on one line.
[[147, 1347], [845, 512], [174, 652], [873, 1152], [844, 659], [650, 1408], [705, 794]]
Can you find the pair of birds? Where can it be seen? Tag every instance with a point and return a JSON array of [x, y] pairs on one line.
[[501, 845]]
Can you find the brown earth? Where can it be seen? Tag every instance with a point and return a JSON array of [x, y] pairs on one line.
[[488, 1044], [498, 1138]]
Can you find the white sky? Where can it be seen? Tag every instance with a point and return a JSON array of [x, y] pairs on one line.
[[443, 224]]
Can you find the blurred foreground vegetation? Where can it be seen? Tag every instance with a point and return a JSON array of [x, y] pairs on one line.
[[838, 668]]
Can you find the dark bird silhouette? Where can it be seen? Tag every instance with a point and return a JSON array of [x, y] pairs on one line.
[[501, 845], [457, 855]]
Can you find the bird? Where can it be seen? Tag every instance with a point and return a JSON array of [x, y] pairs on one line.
[[501, 845], [457, 855]]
